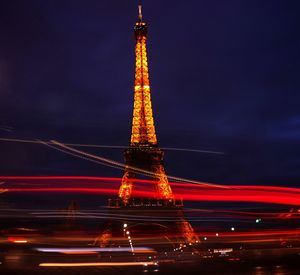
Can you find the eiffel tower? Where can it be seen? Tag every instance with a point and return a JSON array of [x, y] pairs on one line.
[[162, 215], [143, 152]]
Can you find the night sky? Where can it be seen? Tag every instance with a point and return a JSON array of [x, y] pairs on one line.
[[224, 77]]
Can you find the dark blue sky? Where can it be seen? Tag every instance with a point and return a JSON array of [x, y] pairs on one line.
[[224, 77]]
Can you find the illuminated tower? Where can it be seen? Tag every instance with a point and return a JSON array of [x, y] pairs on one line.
[[144, 157], [143, 152]]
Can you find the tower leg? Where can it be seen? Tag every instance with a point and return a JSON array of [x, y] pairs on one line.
[[126, 187], [163, 187]]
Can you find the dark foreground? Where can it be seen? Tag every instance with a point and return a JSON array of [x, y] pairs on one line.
[[288, 269], [264, 261]]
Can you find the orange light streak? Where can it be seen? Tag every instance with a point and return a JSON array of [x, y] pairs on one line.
[[98, 264], [17, 240]]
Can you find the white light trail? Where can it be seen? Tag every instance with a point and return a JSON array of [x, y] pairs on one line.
[[65, 148], [114, 146], [106, 160]]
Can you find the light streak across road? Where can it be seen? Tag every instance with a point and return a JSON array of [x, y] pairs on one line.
[[191, 192]]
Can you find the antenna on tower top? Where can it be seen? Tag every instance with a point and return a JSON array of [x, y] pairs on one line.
[[140, 12]]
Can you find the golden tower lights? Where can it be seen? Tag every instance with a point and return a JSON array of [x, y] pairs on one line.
[[143, 152]]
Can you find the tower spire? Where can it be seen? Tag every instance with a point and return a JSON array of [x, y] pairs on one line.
[[140, 12]]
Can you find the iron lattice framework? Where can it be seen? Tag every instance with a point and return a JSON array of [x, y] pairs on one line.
[[143, 152], [143, 129], [143, 156]]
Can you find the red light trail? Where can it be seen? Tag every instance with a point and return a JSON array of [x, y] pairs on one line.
[[185, 191]]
